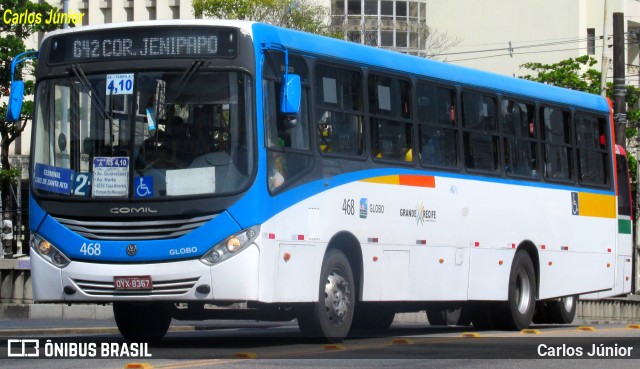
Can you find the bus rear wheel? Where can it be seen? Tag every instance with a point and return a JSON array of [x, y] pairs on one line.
[[330, 318], [518, 311], [142, 321], [450, 316], [563, 310]]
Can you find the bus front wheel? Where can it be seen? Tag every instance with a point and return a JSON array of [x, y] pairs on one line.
[[330, 318], [142, 322]]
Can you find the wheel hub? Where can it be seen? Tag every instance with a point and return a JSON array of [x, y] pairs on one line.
[[337, 298], [523, 291]]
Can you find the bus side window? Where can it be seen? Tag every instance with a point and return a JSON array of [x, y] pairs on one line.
[[519, 140], [480, 131], [591, 149], [391, 124], [437, 134], [340, 128], [558, 153]]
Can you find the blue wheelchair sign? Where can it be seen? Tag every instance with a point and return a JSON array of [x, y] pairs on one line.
[[144, 186]]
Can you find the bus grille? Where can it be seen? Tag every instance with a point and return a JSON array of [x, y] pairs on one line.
[[160, 288], [134, 229]]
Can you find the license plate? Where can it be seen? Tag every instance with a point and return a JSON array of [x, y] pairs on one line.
[[133, 282]]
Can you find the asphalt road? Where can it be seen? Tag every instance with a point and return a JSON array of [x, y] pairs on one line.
[[70, 344]]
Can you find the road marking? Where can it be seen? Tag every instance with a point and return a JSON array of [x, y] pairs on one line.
[[470, 335], [403, 341], [585, 328], [530, 331], [138, 366], [197, 363], [245, 355], [333, 347]]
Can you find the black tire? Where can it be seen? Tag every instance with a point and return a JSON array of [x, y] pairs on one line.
[[371, 318], [142, 322], [330, 318], [563, 310], [517, 312], [444, 317]]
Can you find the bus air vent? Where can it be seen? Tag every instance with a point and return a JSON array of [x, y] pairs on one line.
[[157, 229]]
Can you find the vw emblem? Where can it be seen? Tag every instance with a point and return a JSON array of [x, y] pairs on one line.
[[132, 249]]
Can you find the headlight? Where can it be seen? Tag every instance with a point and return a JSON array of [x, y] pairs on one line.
[[51, 254], [231, 246]]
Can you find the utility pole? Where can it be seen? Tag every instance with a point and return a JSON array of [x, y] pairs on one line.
[[619, 86], [605, 59]]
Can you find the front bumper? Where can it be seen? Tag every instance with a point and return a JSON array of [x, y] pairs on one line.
[[235, 279]]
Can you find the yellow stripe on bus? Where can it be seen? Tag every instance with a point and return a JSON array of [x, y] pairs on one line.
[[596, 205], [405, 180]]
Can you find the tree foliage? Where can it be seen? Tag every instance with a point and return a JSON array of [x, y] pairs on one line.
[[577, 74], [12, 44], [302, 15]]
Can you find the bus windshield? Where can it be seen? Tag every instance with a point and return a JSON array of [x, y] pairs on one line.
[[143, 135]]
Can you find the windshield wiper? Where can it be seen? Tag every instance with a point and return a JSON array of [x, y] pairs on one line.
[[79, 73], [186, 77], [93, 94]]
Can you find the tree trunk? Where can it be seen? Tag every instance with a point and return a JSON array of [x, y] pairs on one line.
[[5, 186]]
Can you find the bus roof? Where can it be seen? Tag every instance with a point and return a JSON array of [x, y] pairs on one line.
[[391, 60], [383, 59]]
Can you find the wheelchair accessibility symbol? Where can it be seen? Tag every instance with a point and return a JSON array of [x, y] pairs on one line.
[[144, 186]]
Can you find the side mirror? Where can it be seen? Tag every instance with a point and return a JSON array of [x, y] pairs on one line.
[[17, 87], [15, 101], [290, 95]]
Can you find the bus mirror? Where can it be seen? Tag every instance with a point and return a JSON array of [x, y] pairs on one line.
[[290, 95], [15, 101]]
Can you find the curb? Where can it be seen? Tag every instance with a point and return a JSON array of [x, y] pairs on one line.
[[78, 330], [56, 311]]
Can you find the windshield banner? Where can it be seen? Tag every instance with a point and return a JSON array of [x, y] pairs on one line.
[[53, 179]]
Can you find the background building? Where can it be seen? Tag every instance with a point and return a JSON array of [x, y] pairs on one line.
[[390, 24], [500, 35]]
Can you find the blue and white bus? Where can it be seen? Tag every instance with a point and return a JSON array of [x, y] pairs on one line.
[[182, 166]]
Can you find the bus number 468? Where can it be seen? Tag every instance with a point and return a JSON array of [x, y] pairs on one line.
[[348, 206], [90, 249]]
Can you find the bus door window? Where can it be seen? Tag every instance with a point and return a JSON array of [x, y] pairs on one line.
[[391, 124], [480, 131], [520, 147], [288, 141], [340, 128], [438, 136], [558, 154]]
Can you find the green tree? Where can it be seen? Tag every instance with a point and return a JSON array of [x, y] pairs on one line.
[[302, 15], [12, 44], [577, 74]]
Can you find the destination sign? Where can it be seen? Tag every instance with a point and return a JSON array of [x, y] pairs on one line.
[[143, 42]]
